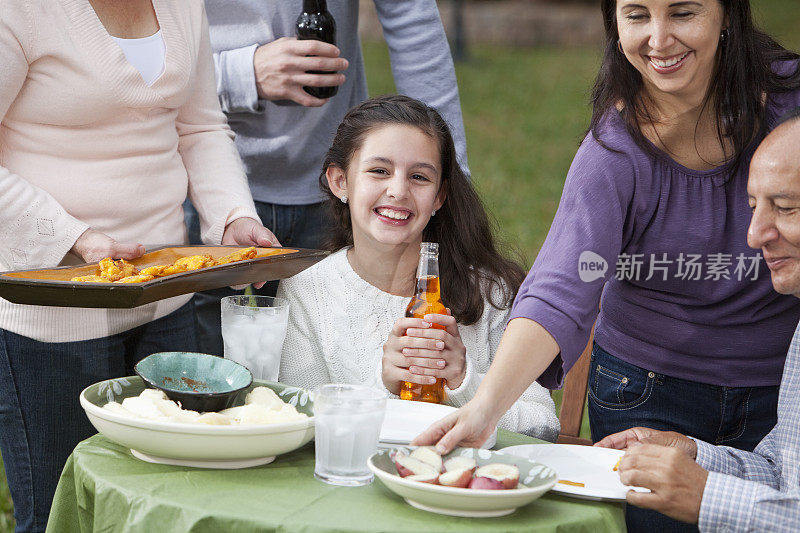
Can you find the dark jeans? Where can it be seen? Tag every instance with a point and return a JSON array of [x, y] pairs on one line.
[[41, 419], [622, 395], [301, 226]]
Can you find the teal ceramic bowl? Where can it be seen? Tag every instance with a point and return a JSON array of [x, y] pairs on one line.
[[199, 381]]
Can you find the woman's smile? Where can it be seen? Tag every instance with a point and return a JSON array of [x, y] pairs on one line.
[[673, 45], [668, 65]]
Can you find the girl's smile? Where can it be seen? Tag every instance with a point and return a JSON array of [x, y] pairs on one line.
[[396, 216]]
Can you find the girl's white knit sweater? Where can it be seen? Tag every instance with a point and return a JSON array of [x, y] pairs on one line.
[[338, 324]]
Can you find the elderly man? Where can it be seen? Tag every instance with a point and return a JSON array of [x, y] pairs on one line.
[[717, 487]]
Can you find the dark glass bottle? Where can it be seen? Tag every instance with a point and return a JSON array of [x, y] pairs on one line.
[[316, 22]]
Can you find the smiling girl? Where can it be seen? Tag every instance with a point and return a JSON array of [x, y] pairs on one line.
[[393, 182]]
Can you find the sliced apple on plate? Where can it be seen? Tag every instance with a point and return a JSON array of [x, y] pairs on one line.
[[408, 466], [428, 455], [458, 472], [456, 463], [507, 476], [431, 477]]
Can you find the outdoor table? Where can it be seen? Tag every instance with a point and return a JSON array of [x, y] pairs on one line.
[[104, 488]]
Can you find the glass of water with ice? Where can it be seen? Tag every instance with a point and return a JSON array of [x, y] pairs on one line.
[[347, 420], [253, 329]]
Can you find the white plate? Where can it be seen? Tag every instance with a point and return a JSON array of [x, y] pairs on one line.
[[592, 466], [405, 420], [535, 480], [197, 445]]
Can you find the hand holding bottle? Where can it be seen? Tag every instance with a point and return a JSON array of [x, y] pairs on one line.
[[418, 352], [394, 365], [281, 69], [452, 352]]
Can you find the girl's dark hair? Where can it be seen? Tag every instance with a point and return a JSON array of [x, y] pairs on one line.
[[470, 264], [742, 76]]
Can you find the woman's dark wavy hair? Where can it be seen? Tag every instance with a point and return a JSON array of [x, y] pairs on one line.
[[470, 264], [743, 74]]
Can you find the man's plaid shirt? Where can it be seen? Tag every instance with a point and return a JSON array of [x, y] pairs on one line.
[[758, 490]]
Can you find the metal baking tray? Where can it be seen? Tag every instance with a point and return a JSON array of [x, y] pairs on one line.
[[51, 286]]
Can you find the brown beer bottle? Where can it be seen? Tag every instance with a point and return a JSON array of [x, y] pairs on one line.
[[316, 22], [427, 299]]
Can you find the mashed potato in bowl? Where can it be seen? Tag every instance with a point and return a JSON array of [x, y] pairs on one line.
[[261, 406], [158, 430]]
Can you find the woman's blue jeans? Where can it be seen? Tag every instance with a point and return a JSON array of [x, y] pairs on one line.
[[622, 395], [41, 419]]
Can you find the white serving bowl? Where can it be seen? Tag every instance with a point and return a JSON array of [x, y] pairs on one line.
[[198, 445], [535, 479]]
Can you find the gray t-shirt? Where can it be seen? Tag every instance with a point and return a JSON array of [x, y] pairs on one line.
[[283, 146]]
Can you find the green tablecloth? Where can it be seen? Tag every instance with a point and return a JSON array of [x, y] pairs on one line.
[[104, 488]]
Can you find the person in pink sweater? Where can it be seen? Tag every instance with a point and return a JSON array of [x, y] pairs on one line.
[[108, 118]]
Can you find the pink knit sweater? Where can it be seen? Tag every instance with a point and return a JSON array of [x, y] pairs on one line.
[[85, 142]]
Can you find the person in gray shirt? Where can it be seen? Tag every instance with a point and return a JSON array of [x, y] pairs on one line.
[[282, 132]]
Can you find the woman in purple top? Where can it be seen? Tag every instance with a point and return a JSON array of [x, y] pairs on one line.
[[652, 229]]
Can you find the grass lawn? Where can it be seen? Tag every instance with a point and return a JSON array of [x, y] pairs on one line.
[[6, 507], [525, 112]]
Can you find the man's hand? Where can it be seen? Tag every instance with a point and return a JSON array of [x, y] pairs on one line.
[[281, 69], [639, 435], [676, 482], [94, 245]]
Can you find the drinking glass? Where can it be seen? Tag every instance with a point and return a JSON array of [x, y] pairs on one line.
[[348, 422], [253, 330]]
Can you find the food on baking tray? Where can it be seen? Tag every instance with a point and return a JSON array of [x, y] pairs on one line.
[[94, 278], [173, 269], [120, 271], [138, 278], [154, 271], [115, 269], [195, 262], [238, 255]]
